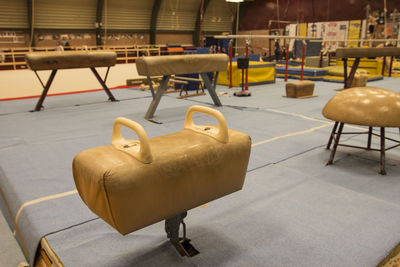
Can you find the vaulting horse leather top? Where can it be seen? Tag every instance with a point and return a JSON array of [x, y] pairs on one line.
[[181, 64], [368, 106], [367, 52], [132, 184], [70, 59]]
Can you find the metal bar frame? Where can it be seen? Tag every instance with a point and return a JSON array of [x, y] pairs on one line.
[[336, 137]]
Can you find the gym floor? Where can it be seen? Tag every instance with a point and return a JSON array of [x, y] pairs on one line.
[[293, 209]]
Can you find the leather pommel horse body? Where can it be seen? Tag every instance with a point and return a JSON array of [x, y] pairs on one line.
[[135, 183], [70, 60], [358, 53], [181, 64]]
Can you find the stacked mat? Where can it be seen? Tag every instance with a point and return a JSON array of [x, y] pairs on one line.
[[314, 74], [336, 74]]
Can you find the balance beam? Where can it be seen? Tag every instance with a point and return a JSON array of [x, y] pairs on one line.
[[358, 53], [70, 60], [180, 64]]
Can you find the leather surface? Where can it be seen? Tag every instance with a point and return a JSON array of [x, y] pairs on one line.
[[369, 106], [300, 84], [181, 64], [360, 80], [367, 52], [300, 88], [188, 170], [70, 59]]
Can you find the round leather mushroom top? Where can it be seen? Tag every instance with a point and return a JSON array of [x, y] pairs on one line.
[[368, 106]]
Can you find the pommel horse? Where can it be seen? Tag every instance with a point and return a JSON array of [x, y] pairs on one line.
[[136, 183], [70, 60], [180, 64], [358, 53]]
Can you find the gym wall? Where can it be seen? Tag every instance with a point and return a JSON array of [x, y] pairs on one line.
[[256, 14], [124, 22]]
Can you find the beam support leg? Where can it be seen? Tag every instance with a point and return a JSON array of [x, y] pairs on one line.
[[156, 100], [352, 73], [46, 88], [210, 88], [108, 92]]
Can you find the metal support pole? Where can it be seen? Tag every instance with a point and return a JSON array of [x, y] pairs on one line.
[[302, 62], [270, 50], [369, 137], [383, 65], [230, 64], [287, 63], [345, 72], [383, 171], [247, 69]]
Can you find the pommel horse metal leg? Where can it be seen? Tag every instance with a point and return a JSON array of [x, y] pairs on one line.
[[182, 244], [150, 82], [46, 88], [103, 84], [211, 88], [156, 99]]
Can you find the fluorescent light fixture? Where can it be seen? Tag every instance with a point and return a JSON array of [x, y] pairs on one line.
[[234, 1]]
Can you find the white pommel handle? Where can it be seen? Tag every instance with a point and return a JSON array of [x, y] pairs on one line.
[[139, 149], [219, 133]]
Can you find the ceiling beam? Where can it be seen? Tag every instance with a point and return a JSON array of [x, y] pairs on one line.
[[29, 4], [153, 22], [99, 22], [197, 31]]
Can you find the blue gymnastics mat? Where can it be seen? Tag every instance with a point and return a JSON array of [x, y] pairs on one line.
[[293, 209]]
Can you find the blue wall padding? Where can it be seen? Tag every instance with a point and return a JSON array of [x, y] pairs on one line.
[[252, 57], [312, 48]]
